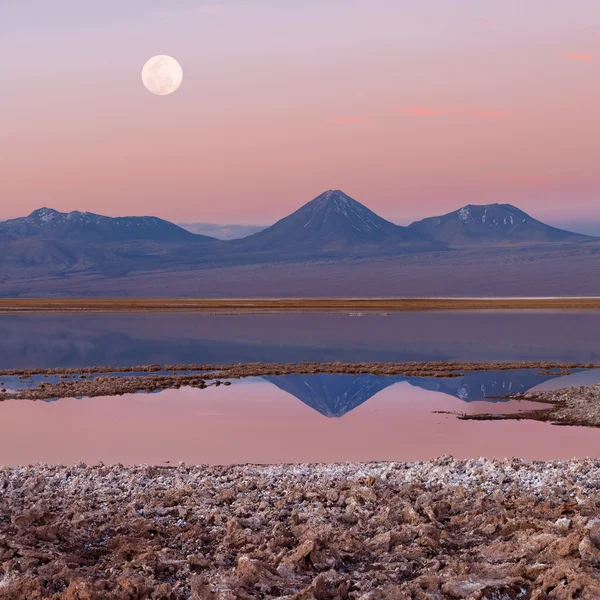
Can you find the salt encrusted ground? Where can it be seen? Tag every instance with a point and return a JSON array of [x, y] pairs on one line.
[[571, 406], [432, 530]]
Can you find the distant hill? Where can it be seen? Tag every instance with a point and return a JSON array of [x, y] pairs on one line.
[[489, 224], [335, 224], [50, 224], [222, 232]]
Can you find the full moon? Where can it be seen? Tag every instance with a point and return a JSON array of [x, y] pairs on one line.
[[162, 75]]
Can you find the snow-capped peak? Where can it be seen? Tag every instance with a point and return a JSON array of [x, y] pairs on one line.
[[45, 214], [343, 205], [464, 214]]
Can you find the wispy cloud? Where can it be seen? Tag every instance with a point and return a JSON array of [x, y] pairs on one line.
[[578, 56], [349, 120], [427, 111]]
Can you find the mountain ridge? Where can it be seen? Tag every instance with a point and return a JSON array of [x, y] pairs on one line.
[[332, 220], [50, 248], [495, 223], [50, 224]]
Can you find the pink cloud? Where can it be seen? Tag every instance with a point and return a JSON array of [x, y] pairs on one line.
[[349, 120], [422, 111], [578, 56]]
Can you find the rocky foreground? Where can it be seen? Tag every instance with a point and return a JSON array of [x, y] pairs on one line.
[[473, 529]]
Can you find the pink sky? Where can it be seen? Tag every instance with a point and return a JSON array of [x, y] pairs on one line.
[[414, 107]]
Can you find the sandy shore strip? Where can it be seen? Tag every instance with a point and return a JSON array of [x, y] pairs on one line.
[[113, 381], [441, 529], [353, 306]]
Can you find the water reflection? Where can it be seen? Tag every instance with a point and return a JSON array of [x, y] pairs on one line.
[[333, 395], [336, 395], [80, 340], [256, 421]]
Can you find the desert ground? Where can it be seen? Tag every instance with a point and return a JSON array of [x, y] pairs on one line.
[[259, 305], [436, 530]]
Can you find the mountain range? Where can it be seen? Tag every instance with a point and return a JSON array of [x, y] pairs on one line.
[[80, 253], [50, 224]]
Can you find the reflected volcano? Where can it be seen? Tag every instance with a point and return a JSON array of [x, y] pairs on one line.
[[336, 395], [333, 395], [491, 386]]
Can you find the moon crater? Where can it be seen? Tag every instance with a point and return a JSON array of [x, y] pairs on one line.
[[162, 75]]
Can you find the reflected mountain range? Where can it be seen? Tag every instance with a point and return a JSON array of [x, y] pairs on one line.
[[336, 395]]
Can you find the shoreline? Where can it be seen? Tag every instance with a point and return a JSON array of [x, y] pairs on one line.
[[576, 407], [234, 306], [239, 370], [442, 528], [104, 381]]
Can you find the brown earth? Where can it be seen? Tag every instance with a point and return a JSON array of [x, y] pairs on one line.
[[259, 305], [436, 530]]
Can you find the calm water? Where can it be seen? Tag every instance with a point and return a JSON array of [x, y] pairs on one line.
[[293, 418], [83, 340], [296, 418]]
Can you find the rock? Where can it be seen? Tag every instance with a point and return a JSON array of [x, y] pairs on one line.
[[251, 572], [300, 553], [590, 554], [281, 537], [236, 536], [594, 533], [380, 543], [563, 524], [327, 586]]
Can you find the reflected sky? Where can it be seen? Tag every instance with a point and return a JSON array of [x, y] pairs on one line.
[[72, 340], [256, 421]]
